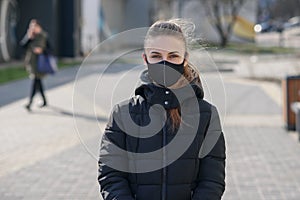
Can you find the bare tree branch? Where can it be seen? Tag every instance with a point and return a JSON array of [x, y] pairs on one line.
[[223, 15]]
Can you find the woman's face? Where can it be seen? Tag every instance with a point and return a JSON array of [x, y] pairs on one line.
[[35, 27], [167, 48]]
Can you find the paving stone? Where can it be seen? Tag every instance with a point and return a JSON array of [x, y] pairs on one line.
[[42, 156]]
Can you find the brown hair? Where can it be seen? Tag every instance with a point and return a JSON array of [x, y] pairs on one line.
[[171, 28], [37, 22]]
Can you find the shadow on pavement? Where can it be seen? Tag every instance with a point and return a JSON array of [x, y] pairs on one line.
[[20, 89], [52, 110]]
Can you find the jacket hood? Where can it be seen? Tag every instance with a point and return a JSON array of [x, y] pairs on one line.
[[166, 97]]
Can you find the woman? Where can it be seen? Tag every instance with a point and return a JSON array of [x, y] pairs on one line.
[[35, 42], [181, 156]]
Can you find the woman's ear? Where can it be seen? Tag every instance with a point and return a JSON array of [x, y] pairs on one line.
[[186, 58], [144, 58]]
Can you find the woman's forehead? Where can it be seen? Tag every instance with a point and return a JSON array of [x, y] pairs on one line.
[[165, 44]]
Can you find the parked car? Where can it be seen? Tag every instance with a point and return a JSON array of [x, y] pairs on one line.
[[292, 22], [269, 26], [262, 27]]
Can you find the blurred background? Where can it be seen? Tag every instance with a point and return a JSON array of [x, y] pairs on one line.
[[77, 26]]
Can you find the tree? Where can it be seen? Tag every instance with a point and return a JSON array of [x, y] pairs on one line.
[[222, 15]]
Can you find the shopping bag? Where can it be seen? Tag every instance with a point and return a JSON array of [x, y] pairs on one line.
[[46, 64]]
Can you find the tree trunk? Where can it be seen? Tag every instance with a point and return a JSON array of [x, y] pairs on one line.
[[224, 41], [216, 9]]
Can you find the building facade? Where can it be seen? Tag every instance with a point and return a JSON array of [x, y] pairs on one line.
[[61, 19], [75, 27]]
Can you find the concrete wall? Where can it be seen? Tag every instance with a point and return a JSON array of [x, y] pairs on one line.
[[137, 14], [120, 15], [114, 14], [90, 24], [8, 23]]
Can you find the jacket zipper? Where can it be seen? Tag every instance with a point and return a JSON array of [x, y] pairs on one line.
[[164, 176]]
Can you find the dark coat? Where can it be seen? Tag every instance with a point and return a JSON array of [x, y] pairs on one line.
[[40, 40], [198, 173]]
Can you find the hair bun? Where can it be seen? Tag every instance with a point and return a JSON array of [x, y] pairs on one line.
[[187, 27]]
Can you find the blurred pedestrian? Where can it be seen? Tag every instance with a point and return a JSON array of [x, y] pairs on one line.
[[136, 159], [35, 42]]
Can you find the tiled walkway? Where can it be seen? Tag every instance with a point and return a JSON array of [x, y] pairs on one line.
[[42, 156]]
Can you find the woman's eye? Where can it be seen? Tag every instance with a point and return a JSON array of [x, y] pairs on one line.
[[173, 56], [155, 56]]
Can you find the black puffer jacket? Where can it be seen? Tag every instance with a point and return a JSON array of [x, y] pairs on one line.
[[197, 173]]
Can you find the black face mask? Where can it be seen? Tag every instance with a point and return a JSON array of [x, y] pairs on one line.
[[165, 73]]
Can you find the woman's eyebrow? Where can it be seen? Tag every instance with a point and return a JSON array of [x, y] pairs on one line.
[[155, 52], [174, 52]]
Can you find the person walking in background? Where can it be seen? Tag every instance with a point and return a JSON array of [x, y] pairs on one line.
[[166, 142], [35, 42]]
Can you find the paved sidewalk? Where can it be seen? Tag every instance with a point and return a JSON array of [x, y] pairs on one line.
[[262, 158], [44, 156], [268, 67]]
